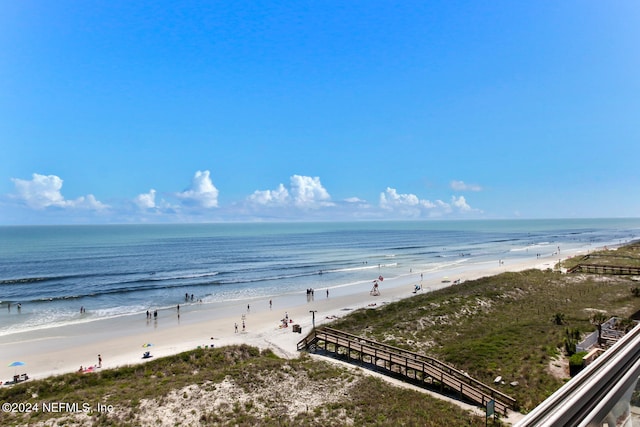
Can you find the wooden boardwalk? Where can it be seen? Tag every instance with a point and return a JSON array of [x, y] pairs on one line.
[[413, 366], [604, 269]]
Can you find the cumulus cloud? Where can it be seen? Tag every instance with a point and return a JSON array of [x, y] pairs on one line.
[[202, 191], [87, 202], [308, 192], [43, 191], [460, 203], [277, 197], [146, 200], [412, 205], [303, 192], [463, 186], [391, 199]]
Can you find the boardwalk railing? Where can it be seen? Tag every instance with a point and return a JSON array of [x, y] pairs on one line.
[[604, 269], [414, 366]]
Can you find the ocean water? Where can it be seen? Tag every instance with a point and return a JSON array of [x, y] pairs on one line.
[[119, 270]]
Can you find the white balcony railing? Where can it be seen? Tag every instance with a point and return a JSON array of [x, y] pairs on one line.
[[601, 395]]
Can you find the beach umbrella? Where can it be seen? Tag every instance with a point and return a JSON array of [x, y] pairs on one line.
[[15, 365]]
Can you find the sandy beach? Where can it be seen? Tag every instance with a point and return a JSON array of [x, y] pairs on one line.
[[120, 341]]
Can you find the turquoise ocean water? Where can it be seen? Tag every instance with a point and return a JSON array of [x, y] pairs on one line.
[[119, 270]]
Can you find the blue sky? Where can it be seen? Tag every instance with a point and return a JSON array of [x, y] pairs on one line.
[[157, 111]]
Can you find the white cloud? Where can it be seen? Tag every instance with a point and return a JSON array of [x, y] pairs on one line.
[[308, 192], [43, 191], [305, 195], [278, 197], [146, 200], [202, 191], [412, 205], [462, 186], [304, 192], [355, 200], [460, 203], [87, 202], [391, 199]]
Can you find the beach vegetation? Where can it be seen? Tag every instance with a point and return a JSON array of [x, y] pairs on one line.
[[251, 387], [571, 339], [499, 325], [577, 359]]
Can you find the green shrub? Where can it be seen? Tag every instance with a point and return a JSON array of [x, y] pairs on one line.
[[577, 359]]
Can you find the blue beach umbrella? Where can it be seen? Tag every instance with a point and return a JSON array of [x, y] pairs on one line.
[[14, 365]]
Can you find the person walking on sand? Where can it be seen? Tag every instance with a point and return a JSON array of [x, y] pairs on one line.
[[243, 326], [99, 361], [235, 325]]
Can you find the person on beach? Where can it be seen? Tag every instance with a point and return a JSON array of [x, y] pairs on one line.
[[235, 325], [270, 304], [243, 326], [99, 361]]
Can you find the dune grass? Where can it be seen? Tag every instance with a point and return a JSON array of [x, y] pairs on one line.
[[345, 396], [503, 325]]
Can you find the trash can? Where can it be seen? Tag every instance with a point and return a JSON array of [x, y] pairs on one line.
[[297, 328]]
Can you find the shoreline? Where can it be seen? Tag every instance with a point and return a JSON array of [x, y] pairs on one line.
[[120, 340]]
